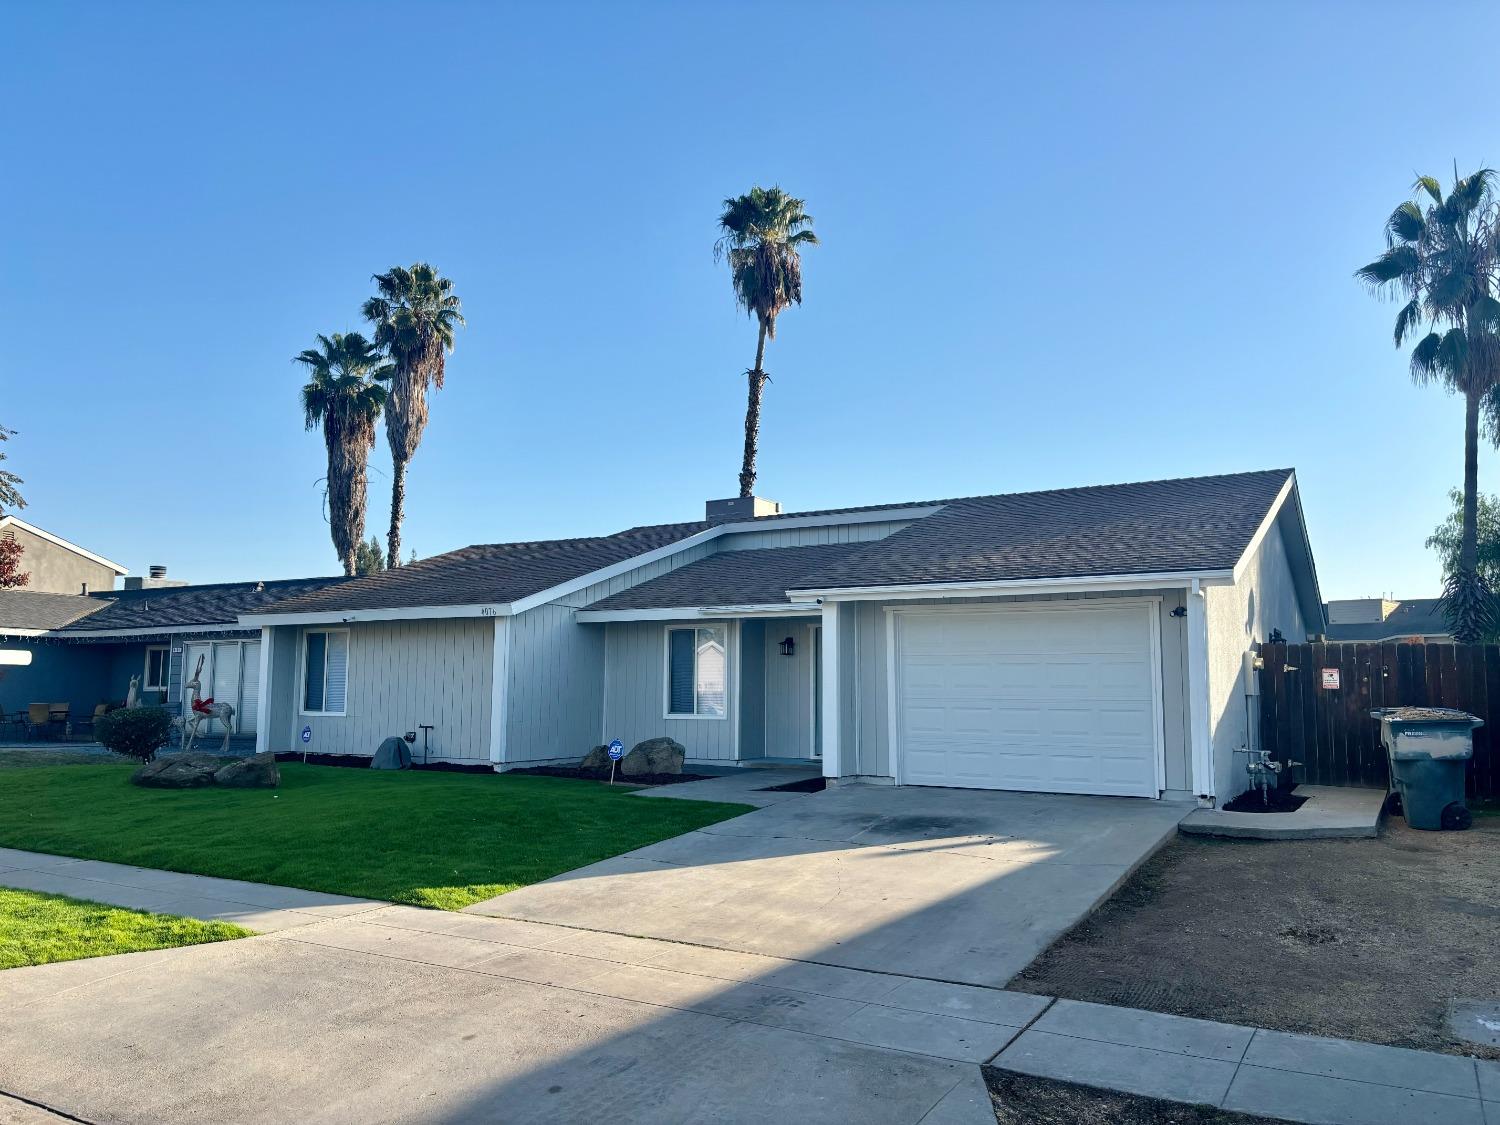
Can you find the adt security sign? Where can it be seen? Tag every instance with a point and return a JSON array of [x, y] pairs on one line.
[[306, 735], [616, 750]]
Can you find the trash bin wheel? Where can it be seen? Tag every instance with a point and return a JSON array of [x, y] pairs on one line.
[[1456, 818], [1393, 804]]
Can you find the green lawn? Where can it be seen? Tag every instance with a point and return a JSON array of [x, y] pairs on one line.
[[432, 839], [36, 929]]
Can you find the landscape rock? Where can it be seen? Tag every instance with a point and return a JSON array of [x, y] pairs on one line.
[[257, 772], [655, 755], [392, 754], [179, 771], [595, 759]]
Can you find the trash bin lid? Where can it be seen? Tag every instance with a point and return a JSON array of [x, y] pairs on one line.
[[1424, 715]]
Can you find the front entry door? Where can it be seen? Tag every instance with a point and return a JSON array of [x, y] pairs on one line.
[[815, 727]]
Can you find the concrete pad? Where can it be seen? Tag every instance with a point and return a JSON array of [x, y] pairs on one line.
[[1011, 1009], [1330, 812], [1364, 1062], [1475, 1021], [800, 1011], [33, 861], [925, 1033], [1489, 1079], [968, 1103], [745, 786], [537, 966], [1136, 1070], [891, 880], [609, 947], [506, 931], [27, 984], [1133, 1027], [413, 945], [13, 1112], [1320, 1100]]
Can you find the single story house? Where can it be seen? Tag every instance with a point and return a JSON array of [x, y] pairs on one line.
[[1082, 640], [1383, 620], [85, 649]]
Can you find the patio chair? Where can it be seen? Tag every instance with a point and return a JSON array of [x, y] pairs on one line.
[[38, 719], [85, 728], [12, 724], [58, 715]]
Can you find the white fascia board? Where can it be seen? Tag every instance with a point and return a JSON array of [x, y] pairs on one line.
[[687, 613], [146, 631], [58, 540], [404, 613], [707, 535], [8, 632], [1164, 580]]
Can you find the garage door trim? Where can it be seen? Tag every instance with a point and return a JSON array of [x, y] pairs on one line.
[[1149, 606]]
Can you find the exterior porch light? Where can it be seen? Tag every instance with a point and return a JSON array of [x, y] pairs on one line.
[[789, 647]]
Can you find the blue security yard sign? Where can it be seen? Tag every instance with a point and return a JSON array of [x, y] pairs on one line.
[[306, 735], [616, 750]]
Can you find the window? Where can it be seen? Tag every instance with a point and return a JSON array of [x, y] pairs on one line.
[[697, 672], [325, 671], [157, 662]]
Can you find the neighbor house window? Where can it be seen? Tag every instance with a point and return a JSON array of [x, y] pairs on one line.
[[325, 671], [157, 662], [697, 671]]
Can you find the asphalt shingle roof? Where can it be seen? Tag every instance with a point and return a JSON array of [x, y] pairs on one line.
[[176, 606], [758, 577], [33, 609], [1195, 523]]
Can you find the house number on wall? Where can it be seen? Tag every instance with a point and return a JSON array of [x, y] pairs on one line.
[[1330, 679]]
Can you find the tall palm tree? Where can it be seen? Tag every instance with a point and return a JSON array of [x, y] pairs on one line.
[[415, 314], [761, 233], [1443, 255], [345, 395]]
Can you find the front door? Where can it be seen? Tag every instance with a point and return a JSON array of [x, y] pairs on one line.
[[815, 726]]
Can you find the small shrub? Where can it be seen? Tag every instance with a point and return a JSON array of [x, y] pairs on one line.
[[137, 733]]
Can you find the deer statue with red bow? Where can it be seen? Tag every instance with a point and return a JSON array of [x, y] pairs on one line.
[[200, 710]]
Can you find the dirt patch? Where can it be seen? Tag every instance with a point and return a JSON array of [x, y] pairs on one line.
[[1359, 939], [806, 785], [1020, 1099], [1272, 801]]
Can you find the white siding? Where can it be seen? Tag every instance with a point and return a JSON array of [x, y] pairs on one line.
[[635, 692], [1240, 617], [403, 674], [867, 724], [810, 536]]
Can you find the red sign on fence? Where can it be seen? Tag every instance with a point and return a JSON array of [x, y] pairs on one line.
[[1330, 679]]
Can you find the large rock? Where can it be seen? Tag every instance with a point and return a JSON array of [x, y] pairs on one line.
[[257, 772], [655, 755], [392, 754], [178, 771], [595, 759]]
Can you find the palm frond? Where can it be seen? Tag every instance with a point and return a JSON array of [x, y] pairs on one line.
[[1398, 264], [1406, 224], [1430, 185], [1407, 319]]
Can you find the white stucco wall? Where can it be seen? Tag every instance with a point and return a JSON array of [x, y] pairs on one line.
[[1240, 617]]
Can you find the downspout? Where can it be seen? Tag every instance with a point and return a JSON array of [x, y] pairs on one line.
[[1199, 731]]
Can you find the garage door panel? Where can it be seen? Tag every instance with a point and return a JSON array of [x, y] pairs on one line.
[[1060, 700]]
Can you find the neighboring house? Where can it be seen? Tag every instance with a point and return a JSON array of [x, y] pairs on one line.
[[1086, 640], [84, 650], [55, 565], [1413, 620]]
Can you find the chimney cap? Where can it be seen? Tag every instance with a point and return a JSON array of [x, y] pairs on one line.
[[157, 570]]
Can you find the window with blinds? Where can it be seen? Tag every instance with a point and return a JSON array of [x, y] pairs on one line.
[[698, 672], [325, 671]]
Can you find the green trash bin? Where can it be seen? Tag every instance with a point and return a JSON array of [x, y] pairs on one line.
[[1428, 751]]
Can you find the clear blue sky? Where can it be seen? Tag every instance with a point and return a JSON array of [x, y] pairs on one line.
[[1062, 244]]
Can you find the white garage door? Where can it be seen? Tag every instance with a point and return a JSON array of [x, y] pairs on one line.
[[1052, 700]]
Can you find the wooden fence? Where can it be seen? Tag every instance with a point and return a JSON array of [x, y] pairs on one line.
[[1315, 703]]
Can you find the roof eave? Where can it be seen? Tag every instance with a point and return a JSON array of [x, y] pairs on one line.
[[1101, 583]]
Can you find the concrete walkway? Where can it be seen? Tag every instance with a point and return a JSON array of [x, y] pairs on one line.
[[1299, 1078], [255, 906]]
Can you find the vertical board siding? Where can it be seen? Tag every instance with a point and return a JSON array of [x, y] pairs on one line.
[[635, 692], [1330, 732], [810, 536], [788, 689], [403, 674], [555, 698]]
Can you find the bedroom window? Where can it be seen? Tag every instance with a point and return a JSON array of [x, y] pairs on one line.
[[325, 671], [157, 663], [697, 672]]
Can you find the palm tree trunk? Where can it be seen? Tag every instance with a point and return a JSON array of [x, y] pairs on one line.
[[398, 513], [349, 565], [1468, 549], [757, 379]]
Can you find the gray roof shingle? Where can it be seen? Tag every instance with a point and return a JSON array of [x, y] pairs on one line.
[[34, 609], [176, 606], [1195, 523], [758, 577]]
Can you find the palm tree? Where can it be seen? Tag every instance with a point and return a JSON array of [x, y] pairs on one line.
[[345, 395], [761, 234], [1443, 255], [414, 313]]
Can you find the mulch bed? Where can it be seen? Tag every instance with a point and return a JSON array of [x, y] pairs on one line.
[[1357, 939], [806, 785], [1274, 800], [620, 778], [362, 762]]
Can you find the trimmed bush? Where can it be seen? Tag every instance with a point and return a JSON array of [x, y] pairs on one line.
[[136, 733]]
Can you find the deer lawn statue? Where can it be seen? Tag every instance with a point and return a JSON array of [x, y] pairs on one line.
[[200, 710], [133, 696]]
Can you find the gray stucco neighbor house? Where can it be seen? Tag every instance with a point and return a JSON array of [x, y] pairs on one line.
[[1084, 640]]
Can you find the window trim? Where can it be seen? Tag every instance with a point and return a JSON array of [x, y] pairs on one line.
[[166, 669], [302, 674], [729, 670]]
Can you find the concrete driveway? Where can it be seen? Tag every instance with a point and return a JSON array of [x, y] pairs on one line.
[[823, 932], [947, 884]]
